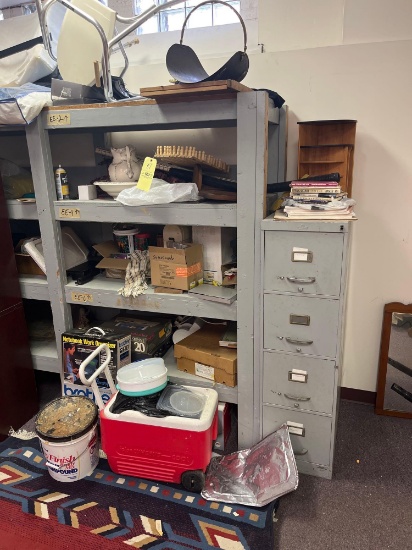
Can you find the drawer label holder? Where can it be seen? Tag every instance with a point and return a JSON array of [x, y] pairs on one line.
[[296, 429], [301, 255], [296, 375]]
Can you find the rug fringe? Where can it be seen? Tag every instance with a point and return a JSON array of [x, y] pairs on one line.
[[22, 434], [102, 454]]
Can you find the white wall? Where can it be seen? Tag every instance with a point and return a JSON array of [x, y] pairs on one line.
[[343, 59]]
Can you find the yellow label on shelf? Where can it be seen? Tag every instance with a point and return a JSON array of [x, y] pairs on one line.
[[69, 212], [58, 119], [147, 173], [82, 297]]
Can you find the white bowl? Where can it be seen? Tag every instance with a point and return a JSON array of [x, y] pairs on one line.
[[113, 188], [143, 377]]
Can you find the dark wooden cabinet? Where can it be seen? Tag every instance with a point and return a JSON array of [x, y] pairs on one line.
[[18, 394]]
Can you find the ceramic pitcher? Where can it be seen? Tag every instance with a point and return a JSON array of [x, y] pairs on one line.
[[125, 166]]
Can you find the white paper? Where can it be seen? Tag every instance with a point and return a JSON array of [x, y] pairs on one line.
[[204, 371], [298, 375], [295, 428]]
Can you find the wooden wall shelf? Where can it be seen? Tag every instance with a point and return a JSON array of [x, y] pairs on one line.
[[327, 146]]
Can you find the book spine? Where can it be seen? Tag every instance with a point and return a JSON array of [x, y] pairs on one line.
[[312, 201], [314, 183], [315, 190], [308, 196]]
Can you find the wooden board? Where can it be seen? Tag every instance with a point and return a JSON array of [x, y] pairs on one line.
[[213, 194], [194, 90], [131, 103]]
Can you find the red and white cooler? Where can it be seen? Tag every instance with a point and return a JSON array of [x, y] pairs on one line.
[[174, 449]]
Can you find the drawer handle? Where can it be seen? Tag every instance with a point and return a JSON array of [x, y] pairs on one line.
[[299, 280], [295, 398], [300, 453], [299, 342]]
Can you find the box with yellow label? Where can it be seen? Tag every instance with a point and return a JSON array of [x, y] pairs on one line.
[[180, 268]]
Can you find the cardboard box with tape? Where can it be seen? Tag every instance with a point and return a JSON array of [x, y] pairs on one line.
[[180, 268], [201, 354]]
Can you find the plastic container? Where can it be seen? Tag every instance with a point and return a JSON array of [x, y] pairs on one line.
[[142, 241], [181, 401], [67, 429], [185, 402], [126, 239], [143, 377]]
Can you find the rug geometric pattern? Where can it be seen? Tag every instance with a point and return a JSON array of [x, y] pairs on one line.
[[123, 510]]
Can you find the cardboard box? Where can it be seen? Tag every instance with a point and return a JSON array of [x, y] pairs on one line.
[[227, 280], [113, 262], [77, 345], [175, 267], [200, 354], [147, 334], [224, 426], [25, 263], [217, 250]]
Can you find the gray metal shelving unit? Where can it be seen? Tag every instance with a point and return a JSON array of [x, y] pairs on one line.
[[260, 147]]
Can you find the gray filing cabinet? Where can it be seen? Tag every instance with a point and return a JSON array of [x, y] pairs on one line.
[[303, 303]]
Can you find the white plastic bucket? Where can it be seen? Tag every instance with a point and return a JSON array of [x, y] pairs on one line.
[[67, 429], [72, 460]]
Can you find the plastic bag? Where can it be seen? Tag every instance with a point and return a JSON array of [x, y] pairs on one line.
[[254, 476], [16, 181], [160, 192], [22, 105]]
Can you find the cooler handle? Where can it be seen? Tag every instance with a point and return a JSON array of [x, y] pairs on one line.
[[103, 367]]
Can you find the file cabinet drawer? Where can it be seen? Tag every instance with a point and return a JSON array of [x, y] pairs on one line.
[[317, 271], [310, 433], [301, 324], [305, 383]]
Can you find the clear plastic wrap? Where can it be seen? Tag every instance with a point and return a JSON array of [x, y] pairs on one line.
[[254, 476], [160, 192]]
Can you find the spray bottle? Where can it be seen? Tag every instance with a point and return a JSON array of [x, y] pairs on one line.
[[62, 185]]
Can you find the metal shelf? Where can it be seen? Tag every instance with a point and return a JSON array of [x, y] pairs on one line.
[[226, 394], [144, 115], [34, 287], [22, 210], [44, 356], [103, 292], [210, 214]]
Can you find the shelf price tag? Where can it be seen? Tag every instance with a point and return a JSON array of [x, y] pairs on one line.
[[82, 297], [69, 213], [147, 173], [58, 119]]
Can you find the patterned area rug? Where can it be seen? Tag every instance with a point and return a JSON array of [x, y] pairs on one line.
[[108, 511]]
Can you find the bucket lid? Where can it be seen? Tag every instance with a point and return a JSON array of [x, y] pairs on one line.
[[66, 418]]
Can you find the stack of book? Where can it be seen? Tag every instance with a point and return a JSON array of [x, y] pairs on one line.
[[317, 200], [316, 192]]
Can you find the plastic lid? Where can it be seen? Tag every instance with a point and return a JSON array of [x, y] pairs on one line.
[[144, 371], [186, 402], [66, 418]]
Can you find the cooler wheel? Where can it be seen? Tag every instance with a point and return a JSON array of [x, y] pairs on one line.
[[193, 480]]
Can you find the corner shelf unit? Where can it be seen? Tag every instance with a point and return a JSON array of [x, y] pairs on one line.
[[261, 147]]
